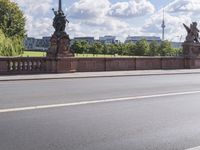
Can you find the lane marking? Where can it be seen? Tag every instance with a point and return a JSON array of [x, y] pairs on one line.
[[95, 102], [195, 148]]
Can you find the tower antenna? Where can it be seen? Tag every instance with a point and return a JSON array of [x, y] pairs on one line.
[[163, 26], [60, 5]]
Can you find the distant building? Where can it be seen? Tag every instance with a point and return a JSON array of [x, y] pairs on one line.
[[31, 43], [108, 39], [90, 40], [149, 39], [176, 44]]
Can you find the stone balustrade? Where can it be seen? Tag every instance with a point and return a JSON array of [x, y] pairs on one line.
[[25, 65], [40, 65]]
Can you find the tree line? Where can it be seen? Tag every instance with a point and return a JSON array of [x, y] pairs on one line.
[[140, 48], [12, 29]]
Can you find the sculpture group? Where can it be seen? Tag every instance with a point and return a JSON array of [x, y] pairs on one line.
[[191, 46], [60, 41]]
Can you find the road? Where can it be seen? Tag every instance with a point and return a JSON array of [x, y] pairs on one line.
[[158, 112]]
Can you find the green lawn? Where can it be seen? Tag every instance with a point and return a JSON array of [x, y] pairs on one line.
[[41, 54], [33, 54], [98, 55]]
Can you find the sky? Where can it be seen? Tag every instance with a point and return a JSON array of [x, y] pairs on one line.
[[120, 18]]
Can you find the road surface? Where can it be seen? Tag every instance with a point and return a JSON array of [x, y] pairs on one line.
[[120, 113]]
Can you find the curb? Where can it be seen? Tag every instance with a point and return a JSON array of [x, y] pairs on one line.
[[96, 76]]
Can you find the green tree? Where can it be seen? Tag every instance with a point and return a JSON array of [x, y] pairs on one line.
[[104, 50], [12, 20], [142, 47], [153, 49], [97, 48], [131, 48], [12, 25], [81, 47], [165, 49]]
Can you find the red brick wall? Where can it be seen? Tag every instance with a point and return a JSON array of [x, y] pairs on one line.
[[63, 65], [148, 63], [90, 64], [173, 63], [120, 64]]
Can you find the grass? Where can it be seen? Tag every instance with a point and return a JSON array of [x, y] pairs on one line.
[[43, 54], [98, 55], [33, 54]]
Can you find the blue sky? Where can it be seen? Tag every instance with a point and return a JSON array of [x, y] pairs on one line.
[[112, 17]]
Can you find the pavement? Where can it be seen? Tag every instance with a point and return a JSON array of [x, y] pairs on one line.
[[123, 113], [97, 74]]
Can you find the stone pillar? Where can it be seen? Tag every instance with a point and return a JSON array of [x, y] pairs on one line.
[[59, 52], [60, 46], [191, 52]]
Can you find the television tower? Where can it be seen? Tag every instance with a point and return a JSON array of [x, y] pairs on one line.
[[60, 5], [163, 26]]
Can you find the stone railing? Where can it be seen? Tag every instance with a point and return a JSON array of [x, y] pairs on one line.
[[40, 65], [26, 65], [35, 65], [22, 65]]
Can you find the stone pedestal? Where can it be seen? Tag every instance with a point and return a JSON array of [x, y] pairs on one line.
[[191, 50], [60, 52], [60, 46]]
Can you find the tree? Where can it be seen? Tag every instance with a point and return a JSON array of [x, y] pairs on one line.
[[12, 20], [131, 48], [166, 49], [142, 47], [81, 47], [12, 26], [97, 48], [153, 49]]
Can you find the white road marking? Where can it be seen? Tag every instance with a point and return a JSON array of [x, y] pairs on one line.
[[195, 148], [95, 102]]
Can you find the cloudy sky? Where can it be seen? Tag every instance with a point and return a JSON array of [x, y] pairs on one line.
[[112, 17]]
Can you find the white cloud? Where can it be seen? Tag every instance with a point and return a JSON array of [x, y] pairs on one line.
[[176, 13], [132, 8], [37, 13], [103, 17], [88, 9], [32, 7], [87, 18], [174, 26], [184, 6]]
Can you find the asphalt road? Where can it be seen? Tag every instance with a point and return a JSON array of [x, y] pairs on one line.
[[160, 113]]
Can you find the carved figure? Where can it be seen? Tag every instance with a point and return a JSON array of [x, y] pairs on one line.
[[60, 41], [192, 33], [59, 21]]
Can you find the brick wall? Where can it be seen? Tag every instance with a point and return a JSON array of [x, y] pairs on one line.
[[120, 64], [30, 65]]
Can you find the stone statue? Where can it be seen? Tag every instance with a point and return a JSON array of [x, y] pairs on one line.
[[192, 33], [191, 46], [59, 21], [60, 41]]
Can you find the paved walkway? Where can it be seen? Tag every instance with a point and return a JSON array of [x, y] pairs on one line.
[[98, 74]]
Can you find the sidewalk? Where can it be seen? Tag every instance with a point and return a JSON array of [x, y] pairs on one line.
[[98, 74]]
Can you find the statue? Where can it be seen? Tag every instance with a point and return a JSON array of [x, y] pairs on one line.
[[191, 46], [192, 33], [59, 22], [60, 41]]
